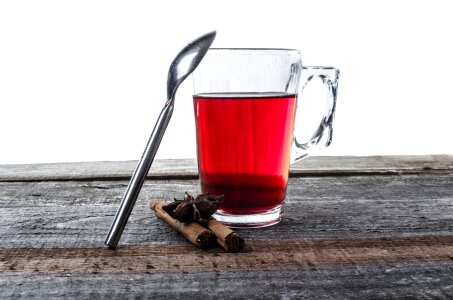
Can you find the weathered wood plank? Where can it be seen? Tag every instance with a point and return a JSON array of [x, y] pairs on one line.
[[78, 214], [344, 237], [258, 256], [187, 168], [388, 281], [95, 170]]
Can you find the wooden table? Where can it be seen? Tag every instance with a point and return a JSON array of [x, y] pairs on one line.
[[355, 227]]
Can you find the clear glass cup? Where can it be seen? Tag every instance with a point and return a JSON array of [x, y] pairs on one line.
[[245, 104]]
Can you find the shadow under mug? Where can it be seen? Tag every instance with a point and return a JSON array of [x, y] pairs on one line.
[[245, 104]]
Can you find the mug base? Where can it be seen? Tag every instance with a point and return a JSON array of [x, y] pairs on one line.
[[264, 219]]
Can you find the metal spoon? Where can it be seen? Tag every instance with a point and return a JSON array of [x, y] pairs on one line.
[[182, 66]]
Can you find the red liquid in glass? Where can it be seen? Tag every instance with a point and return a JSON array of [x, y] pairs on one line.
[[243, 144]]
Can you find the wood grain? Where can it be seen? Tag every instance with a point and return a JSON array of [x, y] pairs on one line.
[[377, 232], [258, 256], [398, 281], [187, 168], [79, 213]]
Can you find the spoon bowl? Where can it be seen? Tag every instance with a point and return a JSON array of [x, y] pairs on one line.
[[187, 61]]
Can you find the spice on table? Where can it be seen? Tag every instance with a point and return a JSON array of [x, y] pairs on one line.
[[187, 215], [193, 232], [194, 209], [227, 238]]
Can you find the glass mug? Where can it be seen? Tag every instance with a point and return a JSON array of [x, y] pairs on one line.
[[245, 108]]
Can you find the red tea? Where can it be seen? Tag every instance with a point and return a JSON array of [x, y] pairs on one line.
[[243, 144]]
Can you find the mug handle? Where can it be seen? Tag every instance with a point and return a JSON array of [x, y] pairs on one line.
[[322, 137]]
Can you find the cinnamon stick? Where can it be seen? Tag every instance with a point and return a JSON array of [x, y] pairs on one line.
[[193, 232], [227, 238]]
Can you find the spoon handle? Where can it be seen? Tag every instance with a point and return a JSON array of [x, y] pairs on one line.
[[139, 176]]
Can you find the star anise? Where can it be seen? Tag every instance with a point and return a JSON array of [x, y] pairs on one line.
[[192, 209]]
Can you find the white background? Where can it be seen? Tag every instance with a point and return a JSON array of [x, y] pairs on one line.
[[86, 80]]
